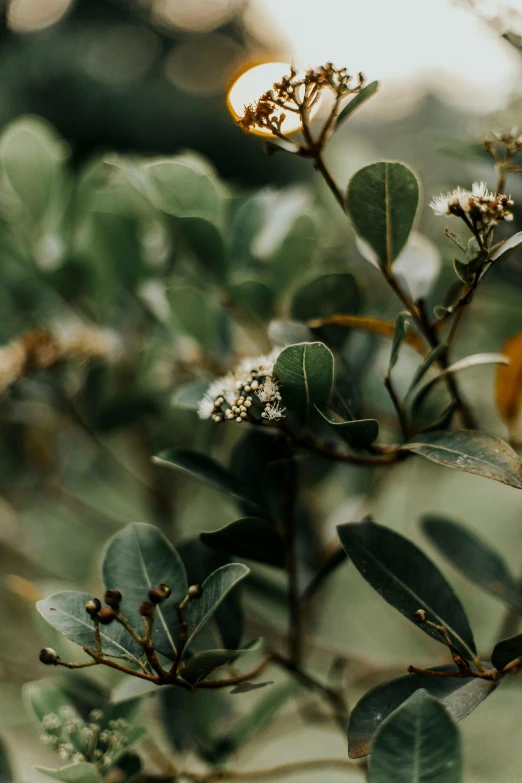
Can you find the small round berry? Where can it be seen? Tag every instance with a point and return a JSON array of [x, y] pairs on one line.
[[159, 593], [146, 609], [195, 591], [93, 606], [113, 598], [48, 656], [106, 615], [420, 616]]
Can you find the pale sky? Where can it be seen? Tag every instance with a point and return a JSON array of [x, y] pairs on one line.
[[434, 43]]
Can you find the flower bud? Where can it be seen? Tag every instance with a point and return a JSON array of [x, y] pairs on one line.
[[106, 615], [48, 656], [147, 609], [420, 616], [159, 593], [93, 606], [195, 591], [113, 598]]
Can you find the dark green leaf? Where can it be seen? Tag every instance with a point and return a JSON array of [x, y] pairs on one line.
[[66, 612], [250, 537], [296, 252], [461, 270], [361, 97], [471, 451], [425, 365], [182, 190], [407, 580], [209, 471], [473, 557], [255, 299], [305, 372], [418, 743], [360, 433], [261, 461], [506, 651], [215, 589], [382, 202], [326, 295], [6, 775], [402, 324], [136, 559], [203, 663], [459, 696]]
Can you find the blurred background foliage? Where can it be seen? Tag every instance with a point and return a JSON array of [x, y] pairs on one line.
[[120, 284]]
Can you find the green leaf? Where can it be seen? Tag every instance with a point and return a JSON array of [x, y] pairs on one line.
[[305, 372], [209, 471], [459, 696], [215, 589], [471, 451], [262, 713], [295, 254], [458, 241], [66, 612], [507, 247], [425, 365], [182, 191], [189, 395], [402, 324], [255, 298], [207, 244], [326, 295], [359, 433], [261, 461], [473, 557], [6, 775], [136, 559], [194, 313], [418, 743], [200, 665], [361, 97], [43, 697], [73, 773], [382, 202], [506, 651], [250, 537], [285, 333], [407, 580]]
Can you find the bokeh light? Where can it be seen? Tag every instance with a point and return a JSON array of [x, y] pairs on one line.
[[198, 16], [204, 64], [27, 16]]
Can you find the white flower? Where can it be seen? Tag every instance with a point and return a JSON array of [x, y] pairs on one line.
[[51, 722], [273, 412], [206, 407], [268, 389]]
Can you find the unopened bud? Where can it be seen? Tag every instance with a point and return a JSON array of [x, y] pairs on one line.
[[420, 616], [147, 609], [106, 615], [93, 606], [195, 591], [48, 656], [159, 593], [113, 598]]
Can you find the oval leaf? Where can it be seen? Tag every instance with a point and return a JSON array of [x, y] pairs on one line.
[[359, 433], [326, 295], [418, 743], [66, 612], [305, 372], [459, 696], [506, 651], [471, 451], [382, 202], [407, 580], [507, 247], [361, 97], [508, 381], [215, 589], [136, 559], [473, 557], [73, 773], [250, 537]]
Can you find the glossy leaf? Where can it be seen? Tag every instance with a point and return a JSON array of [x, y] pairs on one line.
[[66, 612], [508, 382], [471, 451], [382, 202], [250, 537], [407, 580], [326, 295], [506, 651], [356, 101], [359, 433], [136, 559], [372, 325], [418, 743], [73, 773], [207, 470], [473, 557], [305, 372], [215, 589], [459, 696]]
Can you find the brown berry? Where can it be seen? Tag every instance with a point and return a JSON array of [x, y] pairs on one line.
[[195, 591], [420, 616], [106, 615], [146, 609], [113, 598], [49, 656], [159, 593], [93, 606]]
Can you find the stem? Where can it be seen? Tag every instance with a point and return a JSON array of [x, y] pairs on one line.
[[282, 769], [290, 538], [396, 404]]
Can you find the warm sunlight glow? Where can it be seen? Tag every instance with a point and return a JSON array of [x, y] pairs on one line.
[[249, 87]]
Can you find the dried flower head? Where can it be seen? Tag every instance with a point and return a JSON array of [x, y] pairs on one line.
[[484, 208]]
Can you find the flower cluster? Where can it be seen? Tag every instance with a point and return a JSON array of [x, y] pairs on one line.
[[76, 740], [485, 209], [249, 392]]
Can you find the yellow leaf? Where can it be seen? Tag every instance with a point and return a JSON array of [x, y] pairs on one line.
[[508, 381], [373, 325]]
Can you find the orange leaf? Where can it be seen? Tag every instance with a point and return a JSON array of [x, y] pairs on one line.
[[366, 324], [508, 381]]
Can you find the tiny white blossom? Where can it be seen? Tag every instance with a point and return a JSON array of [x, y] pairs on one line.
[[273, 412], [268, 389], [51, 722], [206, 407]]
